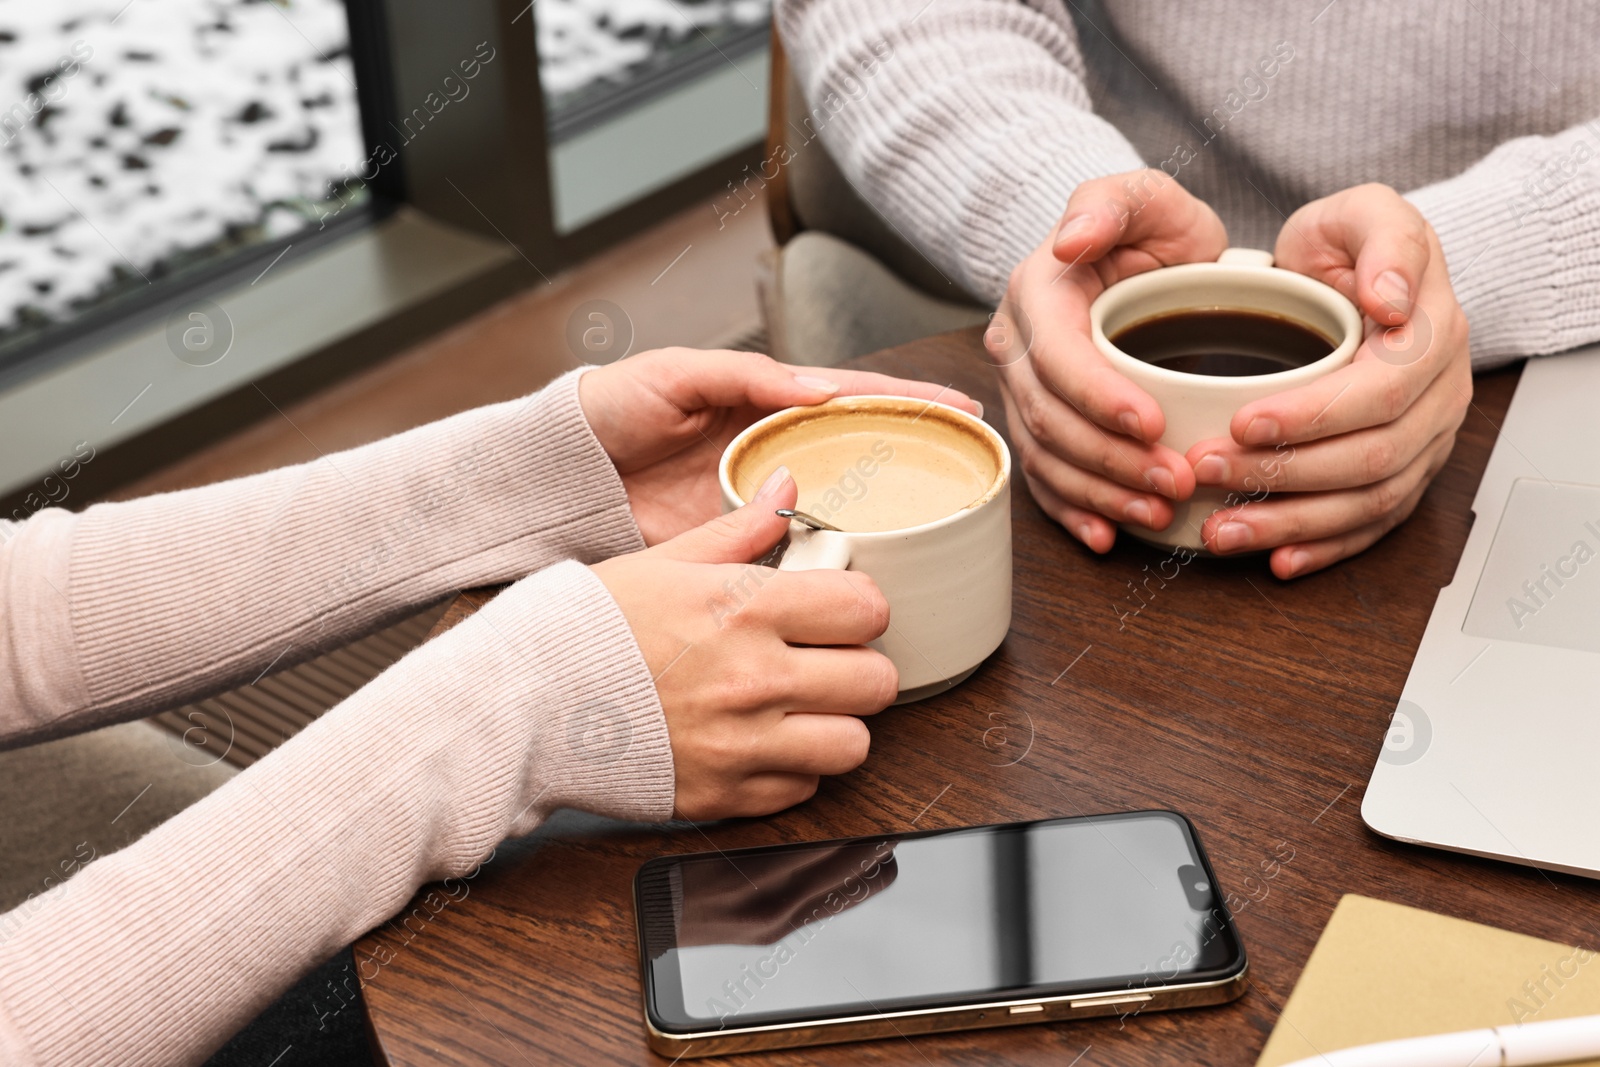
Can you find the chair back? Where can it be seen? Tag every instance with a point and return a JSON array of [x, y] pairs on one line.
[[810, 192]]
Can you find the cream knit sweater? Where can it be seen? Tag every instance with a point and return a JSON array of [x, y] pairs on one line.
[[968, 123], [157, 953]]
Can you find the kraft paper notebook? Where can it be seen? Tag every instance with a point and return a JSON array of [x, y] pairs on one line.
[[1382, 971]]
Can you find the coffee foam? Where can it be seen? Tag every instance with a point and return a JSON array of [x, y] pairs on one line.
[[873, 465]]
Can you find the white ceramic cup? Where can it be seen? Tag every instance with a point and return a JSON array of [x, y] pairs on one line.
[[1200, 407], [948, 582]]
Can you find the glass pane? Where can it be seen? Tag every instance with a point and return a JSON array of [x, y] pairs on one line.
[[599, 53], [641, 92], [142, 140]]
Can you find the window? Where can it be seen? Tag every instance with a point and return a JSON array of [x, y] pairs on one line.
[[641, 93], [144, 142]]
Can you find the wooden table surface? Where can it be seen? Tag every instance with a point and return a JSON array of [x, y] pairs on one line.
[[1254, 706]]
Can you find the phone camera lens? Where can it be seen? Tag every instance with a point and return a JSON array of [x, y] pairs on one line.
[[1196, 883]]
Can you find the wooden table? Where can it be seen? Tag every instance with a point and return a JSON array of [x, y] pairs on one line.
[[1255, 706]]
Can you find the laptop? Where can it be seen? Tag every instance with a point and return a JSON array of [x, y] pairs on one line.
[[1494, 748]]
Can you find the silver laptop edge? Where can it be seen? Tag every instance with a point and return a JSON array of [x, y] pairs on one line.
[[1493, 747]]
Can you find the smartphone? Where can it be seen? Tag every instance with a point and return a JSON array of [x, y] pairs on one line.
[[810, 944]]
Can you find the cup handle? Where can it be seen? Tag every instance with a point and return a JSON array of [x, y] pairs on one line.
[[815, 550], [1245, 257]]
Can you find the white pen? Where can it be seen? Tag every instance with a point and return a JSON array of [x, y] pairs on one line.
[[1523, 1045]]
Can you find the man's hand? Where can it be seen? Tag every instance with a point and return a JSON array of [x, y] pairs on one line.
[[762, 673], [1086, 437], [1351, 453], [664, 418]]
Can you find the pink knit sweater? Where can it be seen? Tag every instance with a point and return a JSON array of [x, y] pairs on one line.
[[157, 953]]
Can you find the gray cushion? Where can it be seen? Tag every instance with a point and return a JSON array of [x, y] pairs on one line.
[[83, 797], [827, 301]]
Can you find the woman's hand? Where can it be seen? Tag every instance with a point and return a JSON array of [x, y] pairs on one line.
[[761, 673], [664, 418]]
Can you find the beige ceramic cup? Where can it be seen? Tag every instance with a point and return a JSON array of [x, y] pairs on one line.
[[1199, 407], [948, 582]]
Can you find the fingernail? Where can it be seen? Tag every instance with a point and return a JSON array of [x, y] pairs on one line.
[[1232, 535], [1211, 470], [1083, 532], [1262, 431], [774, 482], [1163, 482], [1139, 511], [822, 385], [1131, 425], [1395, 291], [979, 405], [1299, 560], [1075, 227]]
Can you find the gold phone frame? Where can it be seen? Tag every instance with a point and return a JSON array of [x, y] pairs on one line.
[[978, 1016]]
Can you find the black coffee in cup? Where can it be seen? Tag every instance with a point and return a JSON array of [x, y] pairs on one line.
[[1223, 342]]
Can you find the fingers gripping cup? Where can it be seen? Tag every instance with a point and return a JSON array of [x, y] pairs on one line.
[[1205, 339], [920, 494]]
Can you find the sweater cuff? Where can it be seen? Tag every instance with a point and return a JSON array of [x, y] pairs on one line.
[[601, 739], [559, 466], [1521, 236], [38, 666]]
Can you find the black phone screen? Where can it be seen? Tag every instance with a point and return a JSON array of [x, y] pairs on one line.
[[940, 918]]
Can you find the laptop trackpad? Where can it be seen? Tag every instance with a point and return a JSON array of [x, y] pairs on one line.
[[1541, 584]]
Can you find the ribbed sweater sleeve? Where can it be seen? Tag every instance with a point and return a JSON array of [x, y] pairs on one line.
[[967, 125], [1521, 233], [131, 607], [155, 954]]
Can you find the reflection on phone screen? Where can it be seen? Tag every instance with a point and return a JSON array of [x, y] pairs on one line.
[[1092, 903]]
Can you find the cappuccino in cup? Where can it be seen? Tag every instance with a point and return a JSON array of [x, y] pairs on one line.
[[874, 469], [920, 495]]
